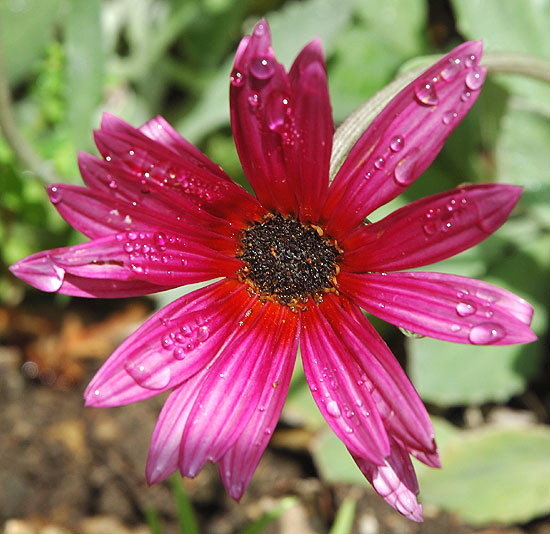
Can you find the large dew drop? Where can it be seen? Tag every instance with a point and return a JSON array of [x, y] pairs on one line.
[[157, 378], [426, 94], [486, 333]]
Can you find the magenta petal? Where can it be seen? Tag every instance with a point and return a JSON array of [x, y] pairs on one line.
[[163, 456], [261, 114], [431, 229], [404, 138], [232, 390], [395, 481], [129, 151], [314, 129], [443, 306], [159, 129], [157, 257], [171, 346], [375, 374], [238, 464]]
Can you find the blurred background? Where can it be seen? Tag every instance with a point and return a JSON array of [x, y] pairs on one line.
[[66, 469]]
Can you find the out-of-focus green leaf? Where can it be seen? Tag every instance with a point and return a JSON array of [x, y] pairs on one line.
[[343, 521], [26, 28], [492, 475], [522, 157], [450, 374], [489, 20], [369, 53], [85, 69]]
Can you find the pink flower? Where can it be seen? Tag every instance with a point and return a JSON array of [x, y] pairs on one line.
[[296, 264]]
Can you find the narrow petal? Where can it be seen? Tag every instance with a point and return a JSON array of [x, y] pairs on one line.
[[121, 185], [173, 345], [262, 120], [40, 271], [395, 481], [239, 463], [127, 149], [431, 229], [443, 306], [162, 131], [156, 257], [404, 138], [232, 390], [96, 214], [374, 375], [337, 387], [314, 130]]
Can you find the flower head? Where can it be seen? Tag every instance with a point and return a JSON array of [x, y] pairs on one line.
[[297, 265]]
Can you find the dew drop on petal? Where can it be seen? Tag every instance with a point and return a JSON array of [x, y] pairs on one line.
[[179, 353], [470, 60], [452, 68], [397, 143], [262, 68], [333, 409], [113, 184], [236, 78], [465, 96], [449, 116], [465, 308], [429, 228], [259, 29], [379, 163], [160, 240], [254, 100], [426, 94], [158, 379], [486, 333], [404, 170], [474, 79], [55, 194]]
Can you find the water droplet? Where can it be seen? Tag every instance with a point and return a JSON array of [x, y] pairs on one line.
[[465, 96], [167, 342], [132, 236], [404, 172], [236, 78], [397, 143], [158, 379], [449, 116], [465, 308], [474, 79], [333, 409], [254, 100], [259, 29], [128, 247], [429, 228], [426, 94], [160, 240], [487, 294], [55, 194], [179, 353], [348, 430], [452, 68], [262, 68], [278, 112], [108, 158], [455, 328], [486, 333], [131, 153], [470, 60], [379, 163]]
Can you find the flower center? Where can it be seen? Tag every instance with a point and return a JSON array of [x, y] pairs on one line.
[[287, 261]]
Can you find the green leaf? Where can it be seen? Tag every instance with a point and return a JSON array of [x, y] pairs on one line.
[[450, 374], [26, 29], [492, 475], [489, 20], [85, 63]]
